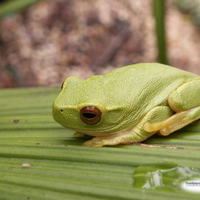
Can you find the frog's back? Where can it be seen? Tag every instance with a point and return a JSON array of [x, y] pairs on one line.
[[134, 80], [156, 70], [145, 82], [133, 83]]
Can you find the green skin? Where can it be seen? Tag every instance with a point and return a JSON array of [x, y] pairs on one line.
[[136, 101]]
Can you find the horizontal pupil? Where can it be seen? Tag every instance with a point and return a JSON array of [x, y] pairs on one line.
[[89, 115]]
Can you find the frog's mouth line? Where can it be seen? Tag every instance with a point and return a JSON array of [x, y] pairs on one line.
[[94, 132], [103, 132], [99, 134]]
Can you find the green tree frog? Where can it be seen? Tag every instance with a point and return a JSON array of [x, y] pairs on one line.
[[128, 104]]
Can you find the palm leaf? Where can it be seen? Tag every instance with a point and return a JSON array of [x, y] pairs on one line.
[[60, 168]]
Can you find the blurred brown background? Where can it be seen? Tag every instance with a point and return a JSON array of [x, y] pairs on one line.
[[51, 40]]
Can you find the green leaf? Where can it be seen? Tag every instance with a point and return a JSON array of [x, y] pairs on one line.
[[39, 159]]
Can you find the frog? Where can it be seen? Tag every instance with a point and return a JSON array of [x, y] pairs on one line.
[[128, 104]]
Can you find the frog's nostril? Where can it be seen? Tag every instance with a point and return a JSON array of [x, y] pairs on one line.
[[90, 115], [61, 110]]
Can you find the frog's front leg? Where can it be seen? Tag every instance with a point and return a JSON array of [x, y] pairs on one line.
[[135, 134], [185, 102]]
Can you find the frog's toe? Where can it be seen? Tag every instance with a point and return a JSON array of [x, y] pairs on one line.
[[95, 142], [77, 134]]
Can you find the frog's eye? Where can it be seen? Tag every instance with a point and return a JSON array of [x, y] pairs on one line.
[[90, 115]]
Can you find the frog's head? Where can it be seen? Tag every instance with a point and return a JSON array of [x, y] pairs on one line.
[[85, 106]]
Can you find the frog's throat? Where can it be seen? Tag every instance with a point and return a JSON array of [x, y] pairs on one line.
[[97, 134], [100, 132]]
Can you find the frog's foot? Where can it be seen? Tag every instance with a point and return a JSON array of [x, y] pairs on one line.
[[175, 122], [100, 141], [95, 142], [77, 134], [122, 137], [136, 134]]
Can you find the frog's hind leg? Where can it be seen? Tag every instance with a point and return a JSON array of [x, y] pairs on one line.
[[185, 97], [176, 121], [185, 101]]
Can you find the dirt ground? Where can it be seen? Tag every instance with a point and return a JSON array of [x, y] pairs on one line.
[[55, 39]]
